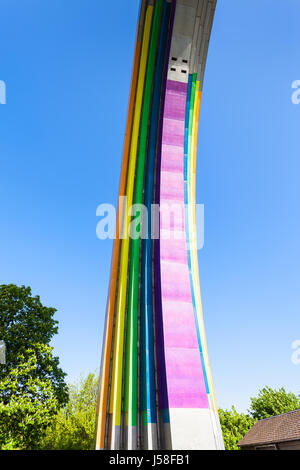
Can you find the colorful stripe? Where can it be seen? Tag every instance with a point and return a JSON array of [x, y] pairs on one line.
[[156, 389], [117, 371], [147, 364], [134, 274]]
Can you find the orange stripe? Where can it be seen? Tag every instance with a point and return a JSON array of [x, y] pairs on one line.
[[102, 405]]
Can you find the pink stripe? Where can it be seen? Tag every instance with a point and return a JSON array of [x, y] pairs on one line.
[[185, 381], [177, 87], [172, 186], [173, 158], [179, 322], [175, 109], [186, 384], [174, 251], [173, 132]]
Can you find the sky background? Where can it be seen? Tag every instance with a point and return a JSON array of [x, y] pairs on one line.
[[67, 68]]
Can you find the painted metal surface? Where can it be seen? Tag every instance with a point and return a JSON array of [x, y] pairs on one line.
[[131, 360], [117, 371], [147, 353], [156, 387], [186, 387]]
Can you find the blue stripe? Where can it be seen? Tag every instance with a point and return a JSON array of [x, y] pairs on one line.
[[147, 364]]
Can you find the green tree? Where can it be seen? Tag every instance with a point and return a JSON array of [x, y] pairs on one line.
[[28, 403], [31, 375], [271, 402], [74, 426], [234, 427], [26, 323]]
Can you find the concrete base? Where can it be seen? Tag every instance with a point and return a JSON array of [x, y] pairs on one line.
[[192, 429]]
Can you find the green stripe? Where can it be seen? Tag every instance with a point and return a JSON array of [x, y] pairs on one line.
[[133, 288], [193, 92], [190, 135]]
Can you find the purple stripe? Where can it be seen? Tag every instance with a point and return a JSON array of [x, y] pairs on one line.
[[177, 87], [176, 108]]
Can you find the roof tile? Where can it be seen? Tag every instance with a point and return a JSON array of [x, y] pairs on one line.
[[285, 427]]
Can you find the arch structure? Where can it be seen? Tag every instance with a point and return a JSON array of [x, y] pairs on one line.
[[156, 389]]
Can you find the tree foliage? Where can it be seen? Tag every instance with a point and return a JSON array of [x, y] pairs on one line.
[[25, 324], [27, 402], [234, 427], [32, 385], [268, 403], [73, 427], [271, 402]]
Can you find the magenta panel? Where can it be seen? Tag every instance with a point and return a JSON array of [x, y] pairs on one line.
[[186, 387], [173, 159], [173, 250], [185, 381], [170, 222], [173, 132], [177, 88], [179, 322], [172, 188], [175, 109]]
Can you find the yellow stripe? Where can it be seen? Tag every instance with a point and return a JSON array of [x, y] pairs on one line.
[[116, 387]]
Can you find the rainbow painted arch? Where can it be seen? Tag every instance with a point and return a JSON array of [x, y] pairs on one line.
[[156, 389]]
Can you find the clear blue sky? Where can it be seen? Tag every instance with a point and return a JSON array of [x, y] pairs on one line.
[[67, 67]]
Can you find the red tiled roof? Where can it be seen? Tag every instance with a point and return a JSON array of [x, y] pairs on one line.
[[285, 427]]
